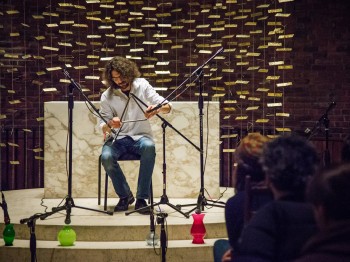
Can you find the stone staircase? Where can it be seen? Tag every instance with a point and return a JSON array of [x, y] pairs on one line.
[[101, 237]]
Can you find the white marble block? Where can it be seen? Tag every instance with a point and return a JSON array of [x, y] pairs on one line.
[[182, 158]]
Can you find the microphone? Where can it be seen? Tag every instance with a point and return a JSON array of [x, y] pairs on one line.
[[30, 219], [331, 105], [307, 131], [198, 71], [152, 238], [219, 51], [65, 72]]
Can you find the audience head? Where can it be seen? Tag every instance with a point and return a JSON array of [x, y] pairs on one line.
[[345, 152], [288, 162], [247, 157], [329, 193]]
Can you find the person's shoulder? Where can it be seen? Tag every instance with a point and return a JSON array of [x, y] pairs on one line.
[[139, 81], [292, 205], [298, 212], [107, 93], [288, 205], [277, 208], [236, 200]]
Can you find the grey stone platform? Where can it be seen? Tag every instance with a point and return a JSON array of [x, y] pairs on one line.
[[101, 237]]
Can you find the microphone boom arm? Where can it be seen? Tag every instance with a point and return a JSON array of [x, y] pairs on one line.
[[195, 72]]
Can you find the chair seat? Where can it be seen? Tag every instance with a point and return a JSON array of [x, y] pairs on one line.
[[129, 156]]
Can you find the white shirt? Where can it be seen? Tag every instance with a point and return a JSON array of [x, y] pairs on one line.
[[113, 103]]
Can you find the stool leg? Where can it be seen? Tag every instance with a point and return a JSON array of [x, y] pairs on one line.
[[150, 198], [106, 193], [99, 181]]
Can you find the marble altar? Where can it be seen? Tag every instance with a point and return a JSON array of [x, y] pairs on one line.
[[182, 158]]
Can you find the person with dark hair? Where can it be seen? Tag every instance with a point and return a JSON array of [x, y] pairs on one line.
[[280, 228], [345, 151], [329, 193], [247, 163], [122, 78]]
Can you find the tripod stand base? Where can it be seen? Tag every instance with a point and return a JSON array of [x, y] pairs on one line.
[[201, 203], [165, 201], [68, 207], [141, 210]]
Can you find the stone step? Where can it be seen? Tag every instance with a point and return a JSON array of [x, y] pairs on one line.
[[103, 251], [102, 237], [116, 233]]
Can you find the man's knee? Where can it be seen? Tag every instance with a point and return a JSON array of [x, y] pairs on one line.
[[148, 147], [106, 158]]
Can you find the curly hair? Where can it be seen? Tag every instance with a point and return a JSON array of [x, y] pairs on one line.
[[289, 161], [247, 158], [122, 65]]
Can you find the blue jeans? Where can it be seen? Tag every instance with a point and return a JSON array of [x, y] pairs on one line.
[[220, 248], [110, 154]]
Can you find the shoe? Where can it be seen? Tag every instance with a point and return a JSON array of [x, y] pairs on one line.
[[124, 203], [141, 203]]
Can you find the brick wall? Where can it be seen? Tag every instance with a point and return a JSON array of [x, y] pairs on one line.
[[321, 59]]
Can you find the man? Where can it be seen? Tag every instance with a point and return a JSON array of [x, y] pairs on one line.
[[278, 230], [123, 102], [330, 196]]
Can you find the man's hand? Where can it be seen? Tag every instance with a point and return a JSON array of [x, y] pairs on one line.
[[113, 123], [163, 109], [227, 256], [149, 114]]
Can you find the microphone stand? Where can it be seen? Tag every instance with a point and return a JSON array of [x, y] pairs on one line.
[[152, 238], [163, 238], [164, 198], [69, 204], [69, 200], [202, 201], [325, 121], [31, 224]]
